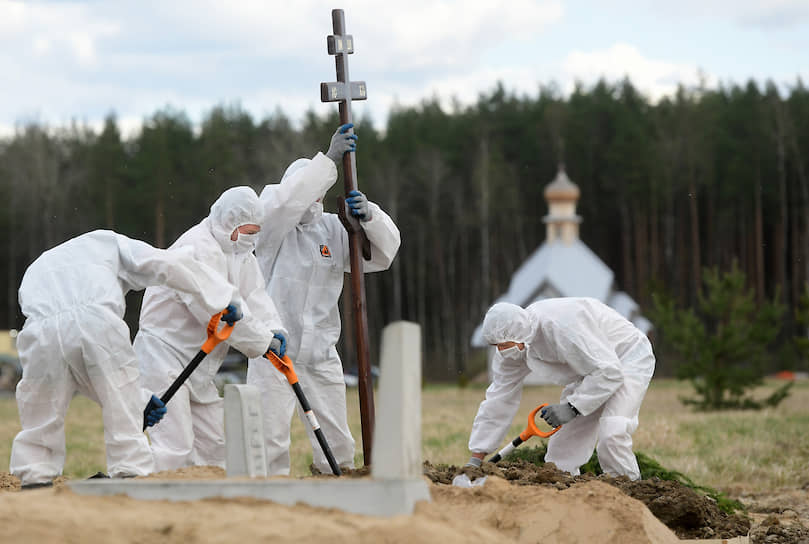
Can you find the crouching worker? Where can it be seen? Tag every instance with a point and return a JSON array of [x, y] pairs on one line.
[[75, 341], [604, 362], [173, 327]]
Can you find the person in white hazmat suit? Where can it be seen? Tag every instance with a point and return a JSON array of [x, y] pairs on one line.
[[604, 362], [304, 255], [75, 341], [173, 328]]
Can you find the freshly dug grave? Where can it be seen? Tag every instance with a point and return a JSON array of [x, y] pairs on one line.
[[494, 512], [686, 512], [530, 503]]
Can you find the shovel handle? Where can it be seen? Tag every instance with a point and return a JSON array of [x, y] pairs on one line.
[[511, 446], [284, 366], [318, 432], [532, 430], [215, 334]]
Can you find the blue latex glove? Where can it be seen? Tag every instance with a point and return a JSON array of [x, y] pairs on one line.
[[278, 344], [358, 204], [157, 411], [341, 143], [234, 313], [559, 414]]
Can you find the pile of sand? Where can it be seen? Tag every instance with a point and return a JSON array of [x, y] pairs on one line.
[[688, 513], [496, 512]]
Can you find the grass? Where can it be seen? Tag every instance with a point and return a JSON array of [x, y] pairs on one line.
[[731, 451]]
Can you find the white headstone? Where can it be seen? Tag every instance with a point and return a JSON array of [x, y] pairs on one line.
[[397, 434], [244, 432]]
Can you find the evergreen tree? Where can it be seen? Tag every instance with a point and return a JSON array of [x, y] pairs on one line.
[[723, 342]]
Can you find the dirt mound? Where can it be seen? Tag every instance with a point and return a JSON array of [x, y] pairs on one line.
[[686, 512], [495, 512], [591, 512]]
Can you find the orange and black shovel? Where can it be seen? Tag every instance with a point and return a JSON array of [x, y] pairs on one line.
[[215, 336], [284, 365], [530, 430]]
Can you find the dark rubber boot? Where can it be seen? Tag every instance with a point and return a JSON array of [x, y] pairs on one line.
[[40, 485]]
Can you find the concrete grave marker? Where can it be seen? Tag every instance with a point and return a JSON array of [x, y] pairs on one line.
[[397, 436], [244, 432], [397, 482]]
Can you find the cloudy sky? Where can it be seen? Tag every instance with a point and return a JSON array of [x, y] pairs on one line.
[[80, 60]]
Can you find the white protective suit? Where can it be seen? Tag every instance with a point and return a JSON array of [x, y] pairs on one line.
[[75, 341], [304, 255], [173, 328], [604, 361]]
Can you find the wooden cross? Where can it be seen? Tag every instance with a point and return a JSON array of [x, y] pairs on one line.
[[344, 91]]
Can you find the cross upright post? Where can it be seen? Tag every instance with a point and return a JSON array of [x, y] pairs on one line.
[[343, 91]]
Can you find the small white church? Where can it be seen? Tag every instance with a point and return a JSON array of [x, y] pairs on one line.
[[563, 266]]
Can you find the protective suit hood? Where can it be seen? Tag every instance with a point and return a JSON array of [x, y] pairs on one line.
[[315, 211], [505, 322], [294, 167], [235, 207]]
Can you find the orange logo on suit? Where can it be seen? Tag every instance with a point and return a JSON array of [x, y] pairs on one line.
[[324, 251]]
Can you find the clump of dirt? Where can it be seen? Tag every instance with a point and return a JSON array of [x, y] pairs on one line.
[[686, 512], [347, 472], [775, 530], [9, 482]]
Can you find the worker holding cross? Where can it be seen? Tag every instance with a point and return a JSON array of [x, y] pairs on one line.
[[303, 254]]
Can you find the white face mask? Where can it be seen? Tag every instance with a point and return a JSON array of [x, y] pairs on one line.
[[514, 352], [245, 243], [313, 213]]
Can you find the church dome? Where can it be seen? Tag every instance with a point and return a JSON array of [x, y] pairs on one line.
[[561, 188]]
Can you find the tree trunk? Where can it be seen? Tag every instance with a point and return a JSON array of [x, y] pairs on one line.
[[109, 208], [759, 238], [160, 219], [782, 226], [485, 256], [628, 280], [641, 254], [696, 264], [396, 267], [654, 235]]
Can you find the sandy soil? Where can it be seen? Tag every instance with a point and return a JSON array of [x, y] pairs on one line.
[[496, 512], [687, 513], [518, 503], [779, 517]]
